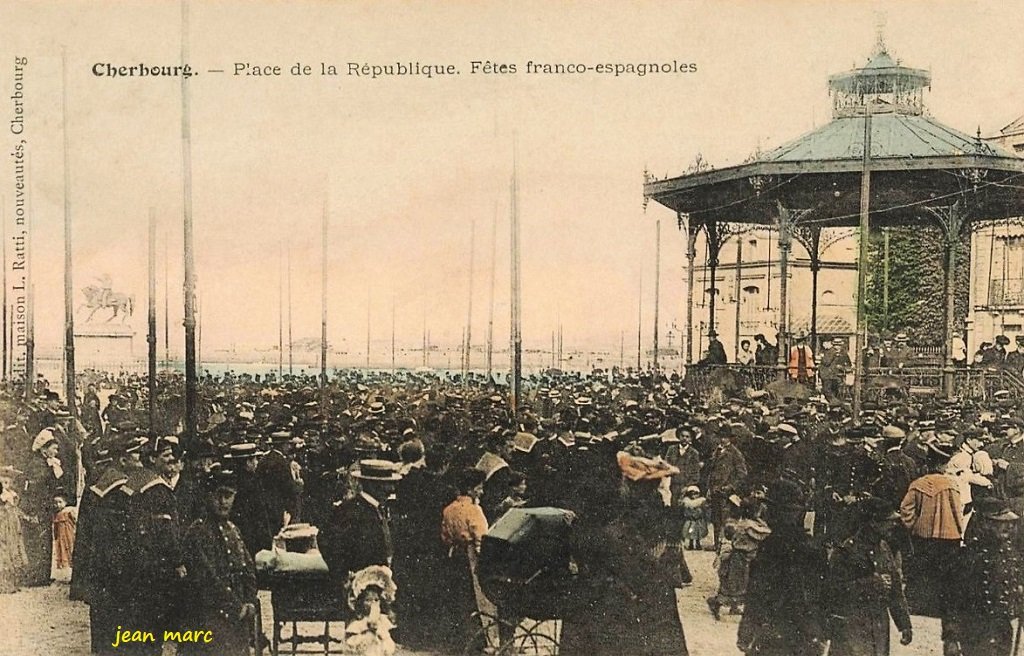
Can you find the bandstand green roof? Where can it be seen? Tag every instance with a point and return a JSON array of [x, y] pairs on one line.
[[892, 135], [914, 159]]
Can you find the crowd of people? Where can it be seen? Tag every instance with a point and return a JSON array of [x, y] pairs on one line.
[[825, 525]]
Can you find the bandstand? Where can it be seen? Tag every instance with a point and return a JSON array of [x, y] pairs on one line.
[[880, 162]]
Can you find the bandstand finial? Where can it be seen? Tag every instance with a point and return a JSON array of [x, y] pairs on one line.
[[880, 46]]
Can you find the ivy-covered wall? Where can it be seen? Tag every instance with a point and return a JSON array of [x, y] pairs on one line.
[[916, 297]]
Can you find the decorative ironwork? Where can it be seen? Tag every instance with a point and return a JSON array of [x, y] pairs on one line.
[[759, 182]]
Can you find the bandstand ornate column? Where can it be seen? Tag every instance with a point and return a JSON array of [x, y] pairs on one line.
[[954, 220], [692, 228]]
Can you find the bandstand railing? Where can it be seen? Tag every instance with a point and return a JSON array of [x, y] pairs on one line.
[[969, 383]]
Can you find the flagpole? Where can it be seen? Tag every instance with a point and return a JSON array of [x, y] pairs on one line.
[[191, 380], [30, 312], [490, 302], [280, 315], [639, 321], [323, 314], [3, 263], [469, 309], [657, 286], [167, 304], [516, 334], [151, 332], [291, 369]]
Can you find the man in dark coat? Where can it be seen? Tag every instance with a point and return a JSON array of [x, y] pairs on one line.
[[727, 471], [766, 354], [990, 578], [104, 548], [835, 362], [785, 595], [1014, 362], [681, 455], [249, 512], [419, 554], [280, 482], [866, 585], [159, 568], [359, 533], [221, 577]]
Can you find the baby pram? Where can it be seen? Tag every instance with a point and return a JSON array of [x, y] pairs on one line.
[[525, 569]]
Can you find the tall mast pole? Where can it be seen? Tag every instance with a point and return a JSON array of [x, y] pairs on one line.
[[862, 262], [30, 288], [738, 293], [561, 358], [367, 329], [280, 314], [323, 314], [199, 341], [167, 305], [191, 380], [424, 337], [291, 369], [392, 335], [885, 278], [151, 323], [3, 263], [657, 286], [516, 335], [469, 304], [69, 308], [490, 302], [639, 321]]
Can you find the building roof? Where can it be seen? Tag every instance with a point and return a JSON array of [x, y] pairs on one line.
[[892, 135], [1014, 128]]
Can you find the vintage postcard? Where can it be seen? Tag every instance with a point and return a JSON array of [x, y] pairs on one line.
[[530, 327]]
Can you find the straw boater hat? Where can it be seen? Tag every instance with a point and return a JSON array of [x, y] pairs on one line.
[[376, 470]]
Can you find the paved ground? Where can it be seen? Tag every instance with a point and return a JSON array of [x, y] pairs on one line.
[[42, 622]]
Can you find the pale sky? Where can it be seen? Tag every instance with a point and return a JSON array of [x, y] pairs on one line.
[[407, 164]]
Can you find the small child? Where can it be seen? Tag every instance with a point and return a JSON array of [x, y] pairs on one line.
[[695, 523], [65, 522], [371, 594], [743, 533]]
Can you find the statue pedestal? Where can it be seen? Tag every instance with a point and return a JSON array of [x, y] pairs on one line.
[[108, 347]]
